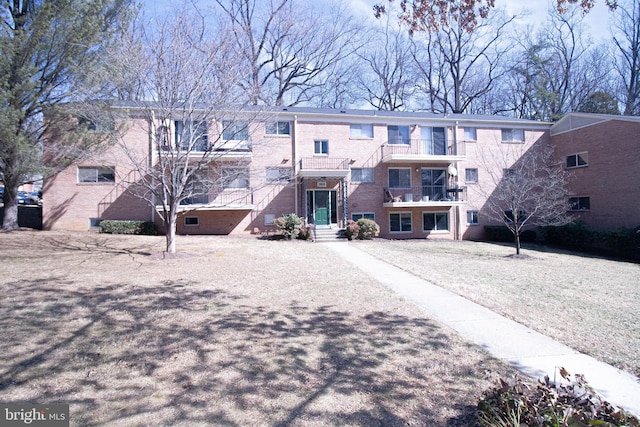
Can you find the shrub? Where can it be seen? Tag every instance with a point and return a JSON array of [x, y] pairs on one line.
[[368, 229], [305, 233], [128, 227], [289, 225], [547, 404], [352, 229], [622, 242]]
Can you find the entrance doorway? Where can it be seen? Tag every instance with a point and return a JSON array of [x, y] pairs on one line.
[[322, 206]]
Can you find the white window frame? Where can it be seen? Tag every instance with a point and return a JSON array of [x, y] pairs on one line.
[[512, 135], [355, 216], [275, 175], [198, 142], [364, 175], [278, 126], [471, 134], [578, 157], [389, 179], [399, 139], [99, 171], [197, 221], [466, 176], [578, 199], [231, 185], [473, 217], [400, 217], [323, 145], [435, 222], [235, 130], [360, 131]]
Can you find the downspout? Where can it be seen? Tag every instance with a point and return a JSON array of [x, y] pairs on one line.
[[295, 162], [151, 154], [456, 215]]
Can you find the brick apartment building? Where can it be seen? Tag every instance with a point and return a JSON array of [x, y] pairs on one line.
[[416, 174]]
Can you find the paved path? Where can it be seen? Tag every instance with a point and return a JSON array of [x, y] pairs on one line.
[[526, 350]]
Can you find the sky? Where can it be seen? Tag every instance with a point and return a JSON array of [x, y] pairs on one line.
[[596, 20]]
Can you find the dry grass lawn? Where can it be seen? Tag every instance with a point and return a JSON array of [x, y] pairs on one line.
[[590, 304], [236, 332]]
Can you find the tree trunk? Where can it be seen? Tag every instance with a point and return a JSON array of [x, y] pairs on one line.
[[10, 220], [171, 232], [517, 243]]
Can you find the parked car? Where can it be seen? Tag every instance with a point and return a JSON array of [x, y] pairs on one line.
[[28, 198]]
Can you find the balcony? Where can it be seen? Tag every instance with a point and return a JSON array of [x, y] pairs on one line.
[[323, 167], [423, 196], [231, 150], [232, 199], [421, 151]]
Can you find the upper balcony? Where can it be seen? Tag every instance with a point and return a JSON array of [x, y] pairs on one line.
[[229, 199], [422, 151], [323, 167], [424, 196], [220, 150]]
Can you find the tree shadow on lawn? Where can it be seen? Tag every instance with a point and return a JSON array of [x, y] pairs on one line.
[[177, 353]]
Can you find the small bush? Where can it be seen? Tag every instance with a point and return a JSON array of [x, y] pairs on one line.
[[547, 404], [352, 229], [289, 225], [305, 233], [368, 229], [147, 228]]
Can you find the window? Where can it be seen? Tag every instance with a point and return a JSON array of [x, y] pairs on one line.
[[235, 178], [472, 217], [512, 135], [94, 222], [435, 221], [98, 174], [361, 131], [162, 138], [360, 215], [191, 136], [434, 140], [579, 203], [277, 128], [278, 174], [400, 222], [191, 221], [399, 178], [471, 175], [269, 218], [197, 189], [433, 183], [362, 175], [510, 173], [470, 134], [235, 131], [398, 134], [577, 160], [321, 146]]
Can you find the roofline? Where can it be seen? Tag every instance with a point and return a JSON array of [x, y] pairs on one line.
[[598, 119], [362, 116]]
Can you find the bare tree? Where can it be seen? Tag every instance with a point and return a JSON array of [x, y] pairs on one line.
[[524, 189], [466, 64], [431, 15], [627, 42], [190, 108], [290, 51], [387, 81]]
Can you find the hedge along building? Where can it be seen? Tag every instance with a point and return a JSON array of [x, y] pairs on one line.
[[416, 174]]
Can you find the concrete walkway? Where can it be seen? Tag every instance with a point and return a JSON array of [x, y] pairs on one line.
[[526, 350]]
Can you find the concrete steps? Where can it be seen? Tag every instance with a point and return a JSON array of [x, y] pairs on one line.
[[325, 233]]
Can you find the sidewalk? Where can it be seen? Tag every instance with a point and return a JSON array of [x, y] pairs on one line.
[[531, 353]]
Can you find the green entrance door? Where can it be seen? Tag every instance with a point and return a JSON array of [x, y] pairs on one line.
[[322, 207]]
